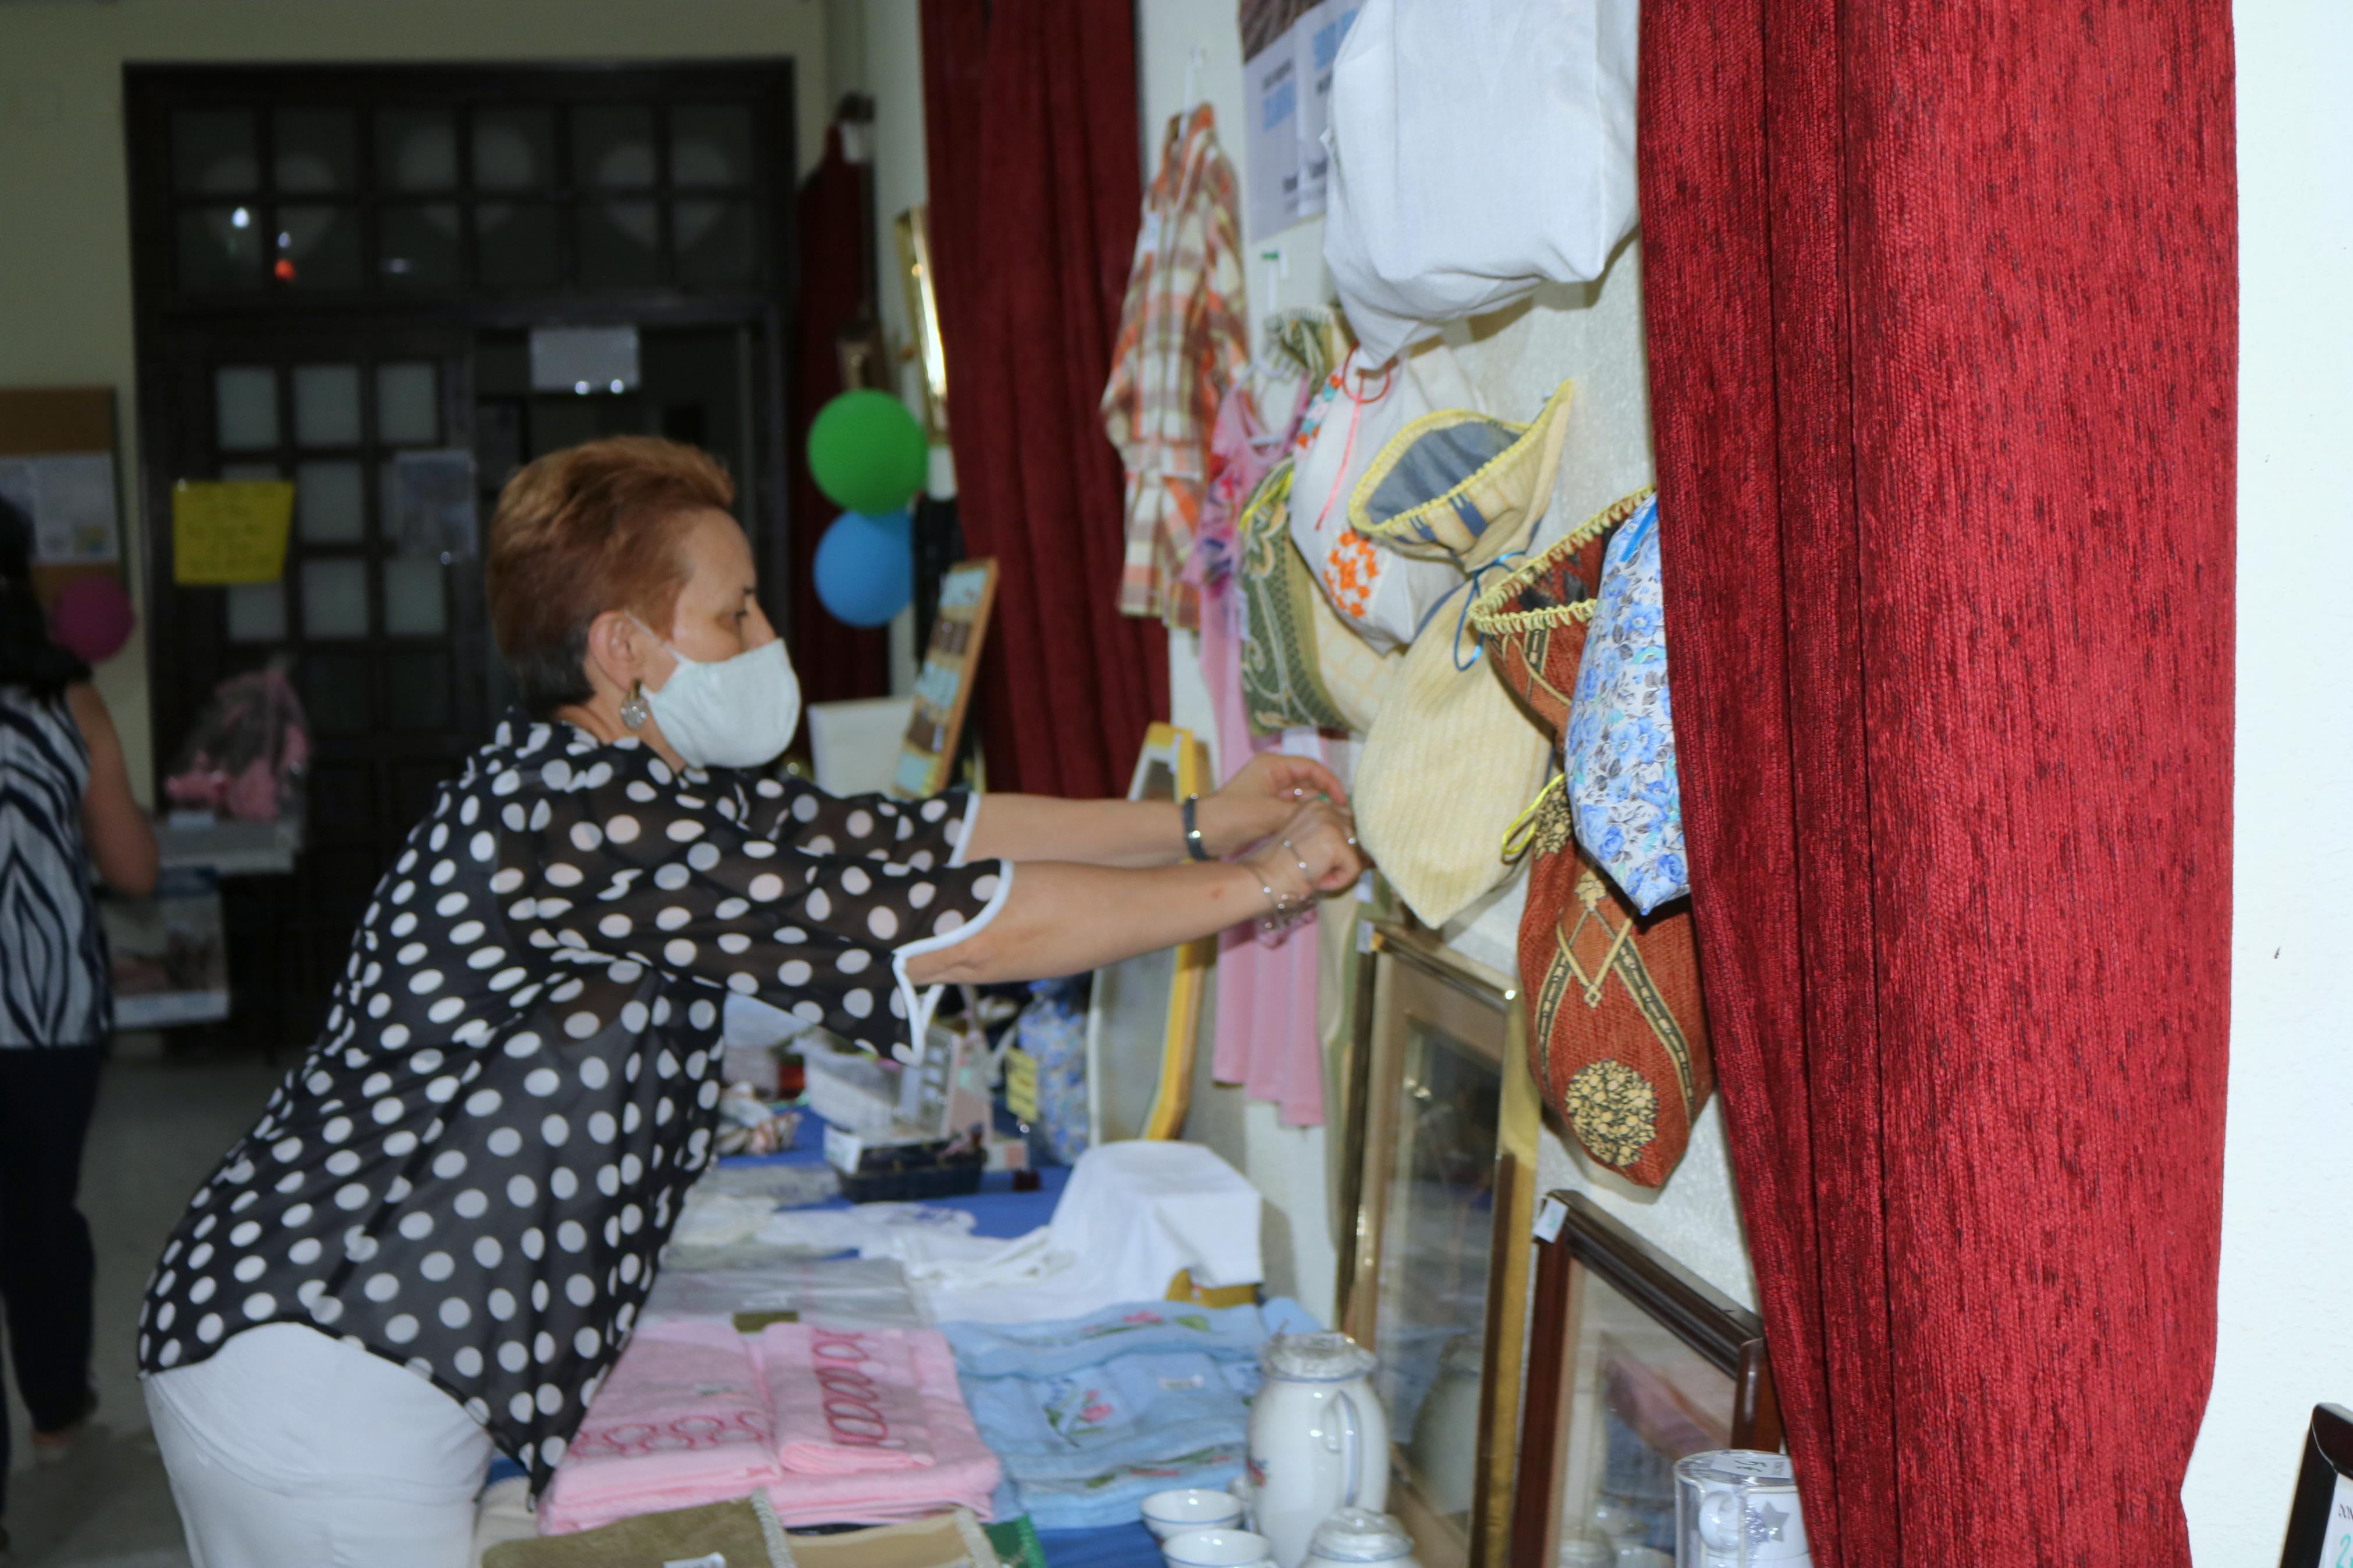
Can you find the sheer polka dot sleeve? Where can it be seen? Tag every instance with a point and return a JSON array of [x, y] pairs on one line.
[[924, 834], [647, 866]]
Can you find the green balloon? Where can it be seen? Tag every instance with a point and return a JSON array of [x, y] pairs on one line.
[[867, 453]]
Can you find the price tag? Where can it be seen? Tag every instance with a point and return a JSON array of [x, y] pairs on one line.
[[843, 1149], [1021, 1084], [1550, 1217]]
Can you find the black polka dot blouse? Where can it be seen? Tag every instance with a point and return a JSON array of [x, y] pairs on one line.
[[473, 1171]]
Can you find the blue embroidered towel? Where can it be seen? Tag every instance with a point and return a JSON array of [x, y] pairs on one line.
[[1619, 748], [1092, 1416]]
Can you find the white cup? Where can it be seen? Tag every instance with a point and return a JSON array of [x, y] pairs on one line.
[[1216, 1549], [1173, 1513]]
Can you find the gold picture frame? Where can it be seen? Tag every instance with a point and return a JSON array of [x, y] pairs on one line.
[[1442, 1132], [913, 230], [1145, 1011]]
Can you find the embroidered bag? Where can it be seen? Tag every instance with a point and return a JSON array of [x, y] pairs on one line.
[[1616, 1034], [1298, 666], [1619, 746], [1452, 759]]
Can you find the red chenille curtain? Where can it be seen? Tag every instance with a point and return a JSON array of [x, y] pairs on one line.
[[1036, 189], [836, 661], [1943, 344]]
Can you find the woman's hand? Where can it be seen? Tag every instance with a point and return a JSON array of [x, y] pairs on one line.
[[1256, 803], [1312, 855]]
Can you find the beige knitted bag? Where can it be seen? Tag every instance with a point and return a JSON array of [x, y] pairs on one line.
[[1451, 758]]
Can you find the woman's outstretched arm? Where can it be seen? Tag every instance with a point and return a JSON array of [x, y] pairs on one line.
[[1255, 803]]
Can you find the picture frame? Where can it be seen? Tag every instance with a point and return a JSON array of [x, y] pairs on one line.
[[912, 230], [1145, 1014], [1636, 1363], [944, 685], [2320, 1520], [1442, 1124]]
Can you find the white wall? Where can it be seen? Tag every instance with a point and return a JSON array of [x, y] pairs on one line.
[[64, 265], [2287, 1338]]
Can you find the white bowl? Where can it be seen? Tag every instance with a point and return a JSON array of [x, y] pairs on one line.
[[1216, 1549], [1173, 1513]]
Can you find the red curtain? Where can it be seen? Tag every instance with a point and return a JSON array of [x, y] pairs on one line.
[[1943, 338], [1031, 115], [835, 662]]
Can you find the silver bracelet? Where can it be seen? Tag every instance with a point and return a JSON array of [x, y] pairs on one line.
[[1300, 861]]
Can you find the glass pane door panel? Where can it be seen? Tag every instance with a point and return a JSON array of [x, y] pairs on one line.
[[418, 246], [245, 404], [220, 249], [327, 404], [334, 598], [514, 149], [319, 248], [335, 700], [519, 246], [416, 689], [710, 144], [413, 602], [313, 150], [416, 148], [407, 405], [620, 244], [714, 242], [213, 152], [249, 471], [328, 508], [257, 611], [613, 146]]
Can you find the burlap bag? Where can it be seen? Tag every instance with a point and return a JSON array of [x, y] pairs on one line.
[[1452, 759], [1616, 1034]]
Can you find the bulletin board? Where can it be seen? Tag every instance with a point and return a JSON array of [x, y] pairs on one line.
[[57, 462], [943, 688]]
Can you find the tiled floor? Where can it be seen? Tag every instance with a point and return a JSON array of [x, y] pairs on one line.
[[159, 1127]]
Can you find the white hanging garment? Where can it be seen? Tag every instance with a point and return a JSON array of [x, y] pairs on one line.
[[1478, 148]]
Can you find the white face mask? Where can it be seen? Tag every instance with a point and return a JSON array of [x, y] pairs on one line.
[[739, 712]]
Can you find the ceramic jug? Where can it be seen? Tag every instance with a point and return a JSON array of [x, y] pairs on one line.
[[1352, 1537], [1319, 1439]]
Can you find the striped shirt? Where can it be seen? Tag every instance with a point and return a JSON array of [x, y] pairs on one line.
[[53, 974]]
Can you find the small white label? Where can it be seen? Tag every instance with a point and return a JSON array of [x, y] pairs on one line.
[[843, 1149], [1550, 1217]]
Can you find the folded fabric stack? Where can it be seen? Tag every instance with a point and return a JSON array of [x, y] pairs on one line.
[[1093, 1414], [835, 1426]]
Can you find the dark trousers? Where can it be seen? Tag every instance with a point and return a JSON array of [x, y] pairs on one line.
[[46, 1264]]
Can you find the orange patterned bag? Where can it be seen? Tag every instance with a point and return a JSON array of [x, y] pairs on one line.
[[1616, 1034]]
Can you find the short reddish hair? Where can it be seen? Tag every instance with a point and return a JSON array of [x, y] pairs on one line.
[[582, 532]]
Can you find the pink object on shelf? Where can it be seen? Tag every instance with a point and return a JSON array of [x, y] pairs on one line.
[[845, 1403], [92, 617], [963, 1472]]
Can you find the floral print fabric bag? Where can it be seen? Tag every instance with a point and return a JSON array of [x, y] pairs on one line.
[[1619, 748]]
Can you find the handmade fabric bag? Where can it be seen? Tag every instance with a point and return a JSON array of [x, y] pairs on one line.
[[1616, 1034], [1438, 114], [1299, 666], [1350, 421], [1452, 759], [1619, 748]]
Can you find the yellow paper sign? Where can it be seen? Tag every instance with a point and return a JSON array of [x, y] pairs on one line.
[[230, 530], [1021, 1084]]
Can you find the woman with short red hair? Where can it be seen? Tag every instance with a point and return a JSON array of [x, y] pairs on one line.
[[438, 1237]]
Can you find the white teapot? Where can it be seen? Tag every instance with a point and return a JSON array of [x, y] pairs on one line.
[[1319, 1439]]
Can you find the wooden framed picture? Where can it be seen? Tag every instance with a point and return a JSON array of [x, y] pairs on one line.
[[944, 685], [2320, 1522], [1442, 1128], [1146, 1013], [1635, 1363]]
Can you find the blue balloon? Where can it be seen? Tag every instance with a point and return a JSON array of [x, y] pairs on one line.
[[865, 567]]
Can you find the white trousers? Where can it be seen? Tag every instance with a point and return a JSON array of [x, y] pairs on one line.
[[291, 1449]]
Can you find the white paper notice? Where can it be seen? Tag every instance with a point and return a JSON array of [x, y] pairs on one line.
[[71, 499], [1317, 37], [1271, 138]]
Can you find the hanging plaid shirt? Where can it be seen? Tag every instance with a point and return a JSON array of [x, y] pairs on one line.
[[1183, 339]]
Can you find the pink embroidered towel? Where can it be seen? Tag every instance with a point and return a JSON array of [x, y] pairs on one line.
[[843, 1402], [682, 1419], [963, 1472]]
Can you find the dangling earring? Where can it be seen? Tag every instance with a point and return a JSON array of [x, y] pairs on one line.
[[634, 711]]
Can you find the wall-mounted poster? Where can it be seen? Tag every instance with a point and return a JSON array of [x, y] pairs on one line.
[[943, 688], [1288, 48]]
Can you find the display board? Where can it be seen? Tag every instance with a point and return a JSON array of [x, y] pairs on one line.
[[57, 463], [943, 688]]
